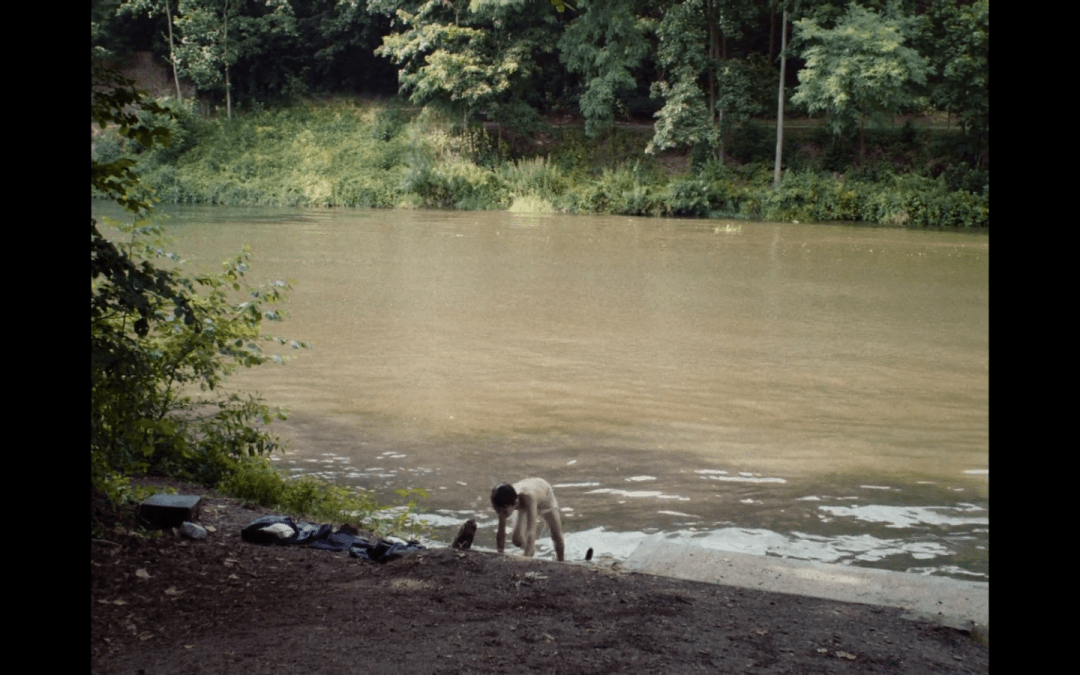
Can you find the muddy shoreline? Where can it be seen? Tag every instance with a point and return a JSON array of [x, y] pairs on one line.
[[173, 605]]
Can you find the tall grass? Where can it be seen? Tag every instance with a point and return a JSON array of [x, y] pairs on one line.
[[387, 156]]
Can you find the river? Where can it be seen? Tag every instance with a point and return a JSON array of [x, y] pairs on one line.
[[818, 392]]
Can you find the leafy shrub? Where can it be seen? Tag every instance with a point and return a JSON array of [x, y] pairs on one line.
[[311, 495], [184, 125], [366, 190], [879, 204], [794, 199], [332, 154], [456, 184], [254, 480], [621, 190], [688, 197], [107, 147], [147, 412], [388, 123], [538, 176], [751, 143], [162, 342], [964, 177]]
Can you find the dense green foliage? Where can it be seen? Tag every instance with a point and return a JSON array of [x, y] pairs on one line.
[[343, 154], [217, 35], [605, 43], [859, 70], [706, 95], [163, 342], [259, 483], [958, 45], [710, 66], [509, 59], [482, 55]]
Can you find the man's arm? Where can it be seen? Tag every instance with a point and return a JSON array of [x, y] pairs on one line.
[[527, 504], [500, 535]]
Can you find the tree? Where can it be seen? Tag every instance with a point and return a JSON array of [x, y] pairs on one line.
[[114, 101], [604, 43], [334, 47], [469, 56], [705, 94], [785, 6], [152, 7], [162, 342], [216, 34], [959, 45], [861, 70], [780, 101]]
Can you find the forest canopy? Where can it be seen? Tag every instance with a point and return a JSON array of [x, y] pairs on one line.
[[700, 68]]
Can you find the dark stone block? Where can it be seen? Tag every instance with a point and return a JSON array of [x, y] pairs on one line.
[[169, 510]]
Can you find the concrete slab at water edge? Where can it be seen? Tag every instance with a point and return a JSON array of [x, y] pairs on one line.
[[948, 601]]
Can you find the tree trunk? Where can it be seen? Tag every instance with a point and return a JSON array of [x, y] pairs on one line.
[[716, 112], [172, 54], [228, 85], [780, 103]]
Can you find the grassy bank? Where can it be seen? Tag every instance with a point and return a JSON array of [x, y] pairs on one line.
[[348, 153]]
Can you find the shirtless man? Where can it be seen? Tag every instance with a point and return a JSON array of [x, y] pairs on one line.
[[531, 497]]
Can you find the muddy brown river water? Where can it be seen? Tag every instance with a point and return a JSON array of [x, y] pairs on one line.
[[818, 392]]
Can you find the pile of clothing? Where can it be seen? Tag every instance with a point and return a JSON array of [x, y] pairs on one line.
[[283, 531]]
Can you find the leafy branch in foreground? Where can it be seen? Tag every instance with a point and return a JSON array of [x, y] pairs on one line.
[[156, 403], [161, 342]]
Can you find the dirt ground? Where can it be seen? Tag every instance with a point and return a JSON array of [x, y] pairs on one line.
[[220, 605]]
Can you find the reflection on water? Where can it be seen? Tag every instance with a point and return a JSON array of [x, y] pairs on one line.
[[913, 516], [817, 392]]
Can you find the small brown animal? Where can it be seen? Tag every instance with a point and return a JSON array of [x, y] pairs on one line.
[[465, 535]]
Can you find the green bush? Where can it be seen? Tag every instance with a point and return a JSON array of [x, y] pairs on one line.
[[752, 143], [688, 197], [348, 155], [901, 200], [387, 124], [153, 403], [254, 480], [966, 178], [794, 199], [162, 342], [537, 176], [627, 189], [455, 184], [184, 125], [108, 147]]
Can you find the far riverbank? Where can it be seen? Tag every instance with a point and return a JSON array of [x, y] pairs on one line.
[[378, 154]]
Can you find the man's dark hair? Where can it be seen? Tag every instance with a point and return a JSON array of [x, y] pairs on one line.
[[503, 495]]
